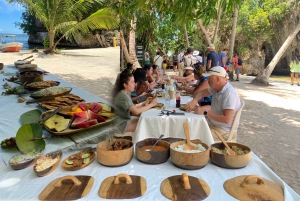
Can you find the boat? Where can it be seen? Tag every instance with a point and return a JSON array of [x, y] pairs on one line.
[[10, 47]]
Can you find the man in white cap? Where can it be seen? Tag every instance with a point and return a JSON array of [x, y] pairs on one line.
[[212, 57], [224, 106]]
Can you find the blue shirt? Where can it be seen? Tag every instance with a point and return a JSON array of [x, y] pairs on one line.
[[222, 55], [214, 57]]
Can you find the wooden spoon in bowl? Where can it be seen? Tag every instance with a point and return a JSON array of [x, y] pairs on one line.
[[229, 151], [188, 145]]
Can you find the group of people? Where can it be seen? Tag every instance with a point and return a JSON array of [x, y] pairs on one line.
[[213, 96]]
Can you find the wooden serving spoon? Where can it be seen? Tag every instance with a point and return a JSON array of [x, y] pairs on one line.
[[188, 145], [229, 151]]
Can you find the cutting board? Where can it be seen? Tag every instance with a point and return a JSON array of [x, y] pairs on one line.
[[184, 187], [123, 186], [68, 188], [253, 187]]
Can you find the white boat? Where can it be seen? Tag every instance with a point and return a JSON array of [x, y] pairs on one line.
[[10, 47]]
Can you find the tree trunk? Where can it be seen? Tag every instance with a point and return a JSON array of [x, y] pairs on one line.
[[187, 42], [204, 32], [232, 39], [132, 51], [218, 22], [124, 47], [51, 35]]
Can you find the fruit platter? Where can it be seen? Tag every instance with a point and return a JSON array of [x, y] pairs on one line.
[[51, 92], [77, 118], [33, 86]]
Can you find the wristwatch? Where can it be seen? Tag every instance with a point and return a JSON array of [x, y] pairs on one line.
[[205, 113]]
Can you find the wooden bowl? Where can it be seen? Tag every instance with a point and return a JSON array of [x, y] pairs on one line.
[[27, 67], [21, 62], [71, 167], [53, 155], [230, 161], [114, 158], [156, 156], [31, 76], [189, 161], [24, 164]]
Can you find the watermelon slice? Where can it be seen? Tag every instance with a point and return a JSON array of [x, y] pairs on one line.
[[83, 106], [95, 107], [87, 123], [93, 115], [83, 115], [77, 121]]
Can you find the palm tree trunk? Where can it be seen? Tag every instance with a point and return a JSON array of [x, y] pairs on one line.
[[51, 35], [132, 51], [187, 42], [124, 47], [218, 22], [233, 32]]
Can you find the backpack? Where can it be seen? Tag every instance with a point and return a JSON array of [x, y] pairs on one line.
[[240, 62]]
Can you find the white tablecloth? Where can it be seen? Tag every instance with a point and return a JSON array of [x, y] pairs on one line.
[[151, 125]]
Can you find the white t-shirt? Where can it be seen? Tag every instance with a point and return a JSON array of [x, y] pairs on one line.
[[179, 57], [227, 98], [158, 61], [189, 60], [147, 58]]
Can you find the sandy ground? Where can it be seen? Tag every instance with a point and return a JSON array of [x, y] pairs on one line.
[[270, 122]]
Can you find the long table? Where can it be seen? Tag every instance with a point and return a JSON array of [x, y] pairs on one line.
[[25, 185]]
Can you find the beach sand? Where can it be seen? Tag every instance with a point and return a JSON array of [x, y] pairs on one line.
[[270, 121]]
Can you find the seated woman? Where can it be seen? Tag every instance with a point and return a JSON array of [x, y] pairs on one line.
[[149, 71], [143, 87], [155, 75], [123, 104], [188, 76]]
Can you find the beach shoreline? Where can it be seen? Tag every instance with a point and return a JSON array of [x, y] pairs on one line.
[[270, 121]]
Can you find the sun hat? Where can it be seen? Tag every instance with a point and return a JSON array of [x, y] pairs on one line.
[[211, 46], [195, 53], [217, 70], [188, 68]]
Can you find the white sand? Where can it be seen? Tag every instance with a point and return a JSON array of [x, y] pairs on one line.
[[270, 122]]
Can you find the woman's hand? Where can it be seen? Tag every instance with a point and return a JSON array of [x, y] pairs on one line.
[[153, 102]]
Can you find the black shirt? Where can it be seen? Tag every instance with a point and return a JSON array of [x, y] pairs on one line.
[[213, 56]]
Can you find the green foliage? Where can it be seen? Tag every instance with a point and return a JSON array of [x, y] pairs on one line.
[[46, 42], [28, 24], [32, 116], [24, 137]]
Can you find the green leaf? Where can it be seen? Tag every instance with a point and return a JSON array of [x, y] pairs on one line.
[[32, 116], [25, 135], [9, 74]]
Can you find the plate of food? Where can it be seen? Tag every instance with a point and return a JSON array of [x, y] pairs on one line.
[[61, 101], [78, 118], [79, 160], [40, 85], [23, 160], [46, 164], [51, 92], [158, 105], [184, 93], [182, 107]]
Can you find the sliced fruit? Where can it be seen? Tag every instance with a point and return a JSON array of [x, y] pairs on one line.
[[83, 115], [77, 120], [69, 162], [95, 107], [85, 155], [57, 118], [62, 125], [87, 123], [50, 124], [93, 115], [83, 106], [105, 107], [86, 160], [107, 114]]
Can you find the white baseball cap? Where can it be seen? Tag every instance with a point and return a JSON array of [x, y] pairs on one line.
[[217, 70], [189, 68]]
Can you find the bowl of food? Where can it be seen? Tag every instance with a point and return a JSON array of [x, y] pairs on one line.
[[23, 160], [31, 76], [46, 164], [220, 157], [119, 152], [21, 62], [159, 154], [189, 159], [27, 67]]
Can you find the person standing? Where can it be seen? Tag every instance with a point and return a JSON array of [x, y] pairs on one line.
[[223, 58], [147, 57], [189, 59], [180, 63], [164, 64], [158, 60], [295, 69], [237, 66], [212, 57]]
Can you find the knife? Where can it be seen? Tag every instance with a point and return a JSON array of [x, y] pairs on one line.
[[40, 99], [177, 113]]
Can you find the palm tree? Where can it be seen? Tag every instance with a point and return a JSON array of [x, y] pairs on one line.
[[66, 17]]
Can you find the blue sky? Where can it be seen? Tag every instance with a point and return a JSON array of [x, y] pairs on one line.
[[9, 14]]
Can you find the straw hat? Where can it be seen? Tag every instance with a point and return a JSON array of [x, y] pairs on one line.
[[189, 68], [211, 46]]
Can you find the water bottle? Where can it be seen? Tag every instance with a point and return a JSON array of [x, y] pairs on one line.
[[167, 101]]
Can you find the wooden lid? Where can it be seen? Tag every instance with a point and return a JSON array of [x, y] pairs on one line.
[[253, 187], [123, 186], [68, 188], [184, 187]]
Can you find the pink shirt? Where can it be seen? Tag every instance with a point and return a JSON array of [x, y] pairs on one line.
[[235, 62]]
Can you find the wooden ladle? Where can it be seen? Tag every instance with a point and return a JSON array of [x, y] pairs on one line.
[[229, 151], [188, 145]]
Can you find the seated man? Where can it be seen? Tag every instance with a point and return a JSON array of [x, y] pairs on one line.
[[224, 106]]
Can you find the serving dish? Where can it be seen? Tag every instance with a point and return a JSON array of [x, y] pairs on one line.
[[51, 92], [27, 67], [60, 101], [31, 76], [51, 159], [33, 86], [79, 160], [182, 107], [158, 106], [23, 160]]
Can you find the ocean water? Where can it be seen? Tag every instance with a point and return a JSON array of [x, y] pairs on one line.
[[21, 38]]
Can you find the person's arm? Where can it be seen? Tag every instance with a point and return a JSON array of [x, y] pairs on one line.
[[151, 79], [223, 118], [208, 64], [202, 86], [197, 96], [134, 99], [137, 110], [186, 79], [223, 61]]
